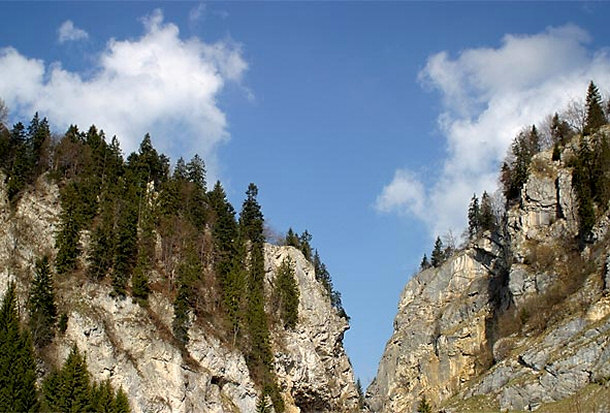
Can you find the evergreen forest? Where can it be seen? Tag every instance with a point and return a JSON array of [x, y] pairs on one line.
[[150, 227]]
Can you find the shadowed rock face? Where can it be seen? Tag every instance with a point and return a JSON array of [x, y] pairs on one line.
[[446, 344], [133, 347]]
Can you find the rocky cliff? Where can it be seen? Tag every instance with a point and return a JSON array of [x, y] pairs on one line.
[[515, 320], [134, 346]]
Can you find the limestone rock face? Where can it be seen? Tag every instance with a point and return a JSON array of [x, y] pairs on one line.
[[310, 360], [446, 343], [134, 347], [438, 331]]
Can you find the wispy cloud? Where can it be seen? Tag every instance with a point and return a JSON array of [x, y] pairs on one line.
[[197, 13], [67, 32], [157, 83], [488, 95]]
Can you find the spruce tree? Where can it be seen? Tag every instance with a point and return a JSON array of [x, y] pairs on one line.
[[288, 293], [41, 304], [487, 219], [17, 364], [67, 239], [474, 214], [195, 172], [595, 117], [259, 358], [425, 264], [305, 244], [19, 162], [120, 403], [438, 254], [69, 389], [292, 239]]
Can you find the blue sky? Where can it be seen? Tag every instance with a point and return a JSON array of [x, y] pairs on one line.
[[368, 123]]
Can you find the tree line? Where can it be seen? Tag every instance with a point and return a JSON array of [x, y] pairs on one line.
[[590, 163], [156, 228]]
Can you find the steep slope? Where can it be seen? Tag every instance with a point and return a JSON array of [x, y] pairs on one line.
[[134, 346], [516, 320]]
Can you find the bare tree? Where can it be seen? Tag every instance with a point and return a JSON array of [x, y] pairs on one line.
[[3, 113], [576, 115]]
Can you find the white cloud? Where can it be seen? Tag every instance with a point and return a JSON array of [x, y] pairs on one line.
[[404, 190], [68, 32], [197, 13], [156, 83], [488, 95]]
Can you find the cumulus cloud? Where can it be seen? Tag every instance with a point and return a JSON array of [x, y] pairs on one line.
[[67, 32], [489, 95], [157, 83]]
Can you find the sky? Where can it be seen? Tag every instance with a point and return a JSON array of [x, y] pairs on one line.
[[370, 124]]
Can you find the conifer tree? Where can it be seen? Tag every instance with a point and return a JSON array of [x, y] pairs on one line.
[[41, 304], [180, 173], [259, 358], [474, 215], [288, 293], [102, 397], [560, 130], [69, 389], [17, 365], [189, 272], [19, 162], [71, 220], [121, 403], [262, 405], [195, 172], [425, 264], [595, 116], [305, 244], [424, 406], [126, 241], [487, 219], [438, 254], [292, 239]]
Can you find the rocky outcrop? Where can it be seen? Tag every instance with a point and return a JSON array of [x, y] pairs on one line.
[[310, 360], [453, 341], [438, 332], [134, 347]]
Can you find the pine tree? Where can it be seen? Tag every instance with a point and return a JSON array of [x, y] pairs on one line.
[[288, 293], [41, 304], [595, 117], [17, 365], [438, 254], [474, 215]]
